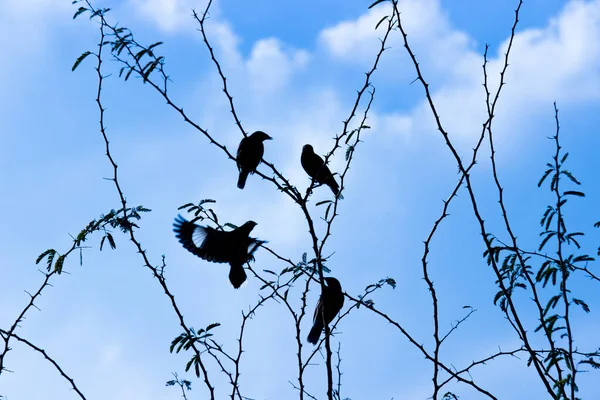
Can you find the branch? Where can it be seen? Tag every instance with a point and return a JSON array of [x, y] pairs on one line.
[[7, 334], [522, 332], [158, 275]]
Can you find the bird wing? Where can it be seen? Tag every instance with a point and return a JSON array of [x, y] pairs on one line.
[[253, 245], [205, 242], [318, 309], [323, 173], [240, 152], [311, 163]]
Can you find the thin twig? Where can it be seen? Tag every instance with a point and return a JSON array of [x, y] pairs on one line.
[[7, 334]]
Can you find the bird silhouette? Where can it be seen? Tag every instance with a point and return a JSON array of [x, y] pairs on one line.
[[249, 154], [315, 167], [234, 247], [330, 303]]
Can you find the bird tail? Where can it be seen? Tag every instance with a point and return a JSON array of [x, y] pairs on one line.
[[315, 332], [242, 179], [333, 185], [237, 275]]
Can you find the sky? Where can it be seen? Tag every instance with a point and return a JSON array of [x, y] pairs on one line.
[[293, 70]]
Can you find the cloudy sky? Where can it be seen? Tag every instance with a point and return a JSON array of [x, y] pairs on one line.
[[293, 71]]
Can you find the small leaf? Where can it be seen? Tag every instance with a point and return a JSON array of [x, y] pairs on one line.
[[570, 176], [80, 59], [377, 2], [583, 305], [349, 152], [44, 254], [545, 176], [153, 46], [80, 11], [212, 326], [111, 241], [327, 210], [380, 21], [573, 193], [58, 266]]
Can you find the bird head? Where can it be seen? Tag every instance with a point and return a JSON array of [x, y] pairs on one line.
[[248, 226], [333, 283], [261, 135], [307, 148]]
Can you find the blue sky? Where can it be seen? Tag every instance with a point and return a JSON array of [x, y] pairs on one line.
[[293, 71]]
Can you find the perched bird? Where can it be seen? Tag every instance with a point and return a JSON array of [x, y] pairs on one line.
[[234, 247], [330, 303], [315, 168], [249, 154]]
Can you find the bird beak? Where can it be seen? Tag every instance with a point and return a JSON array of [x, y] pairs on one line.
[[268, 138]]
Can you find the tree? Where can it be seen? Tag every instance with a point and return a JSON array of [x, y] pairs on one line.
[[537, 290]]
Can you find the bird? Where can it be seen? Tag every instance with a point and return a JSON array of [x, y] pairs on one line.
[[235, 247], [315, 167], [249, 154], [330, 303]]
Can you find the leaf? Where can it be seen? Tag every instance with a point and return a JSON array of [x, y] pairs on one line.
[[570, 176], [187, 205], [391, 282], [175, 342], [213, 215], [140, 54], [80, 11], [58, 266], [80, 59], [142, 209], [129, 73], [498, 296], [212, 326], [551, 303], [545, 240], [573, 193], [323, 202], [591, 363], [582, 303], [380, 21], [44, 254], [349, 152], [327, 210], [545, 176], [111, 241], [153, 46], [582, 258], [377, 2]]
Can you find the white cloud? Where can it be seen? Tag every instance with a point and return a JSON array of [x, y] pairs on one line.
[[430, 33], [561, 60], [17, 17], [37, 6], [270, 66], [170, 15], [350, 38], [557, 62]]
